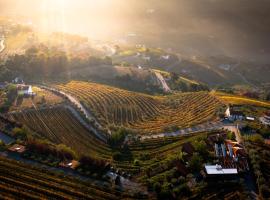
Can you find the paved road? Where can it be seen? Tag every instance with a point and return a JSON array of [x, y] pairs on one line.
[[208, 126], [165, 86], [199, 128]]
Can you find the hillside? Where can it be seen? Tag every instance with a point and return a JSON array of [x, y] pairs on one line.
[[240, 100], [212, 70], [28, 182], [117, 107]]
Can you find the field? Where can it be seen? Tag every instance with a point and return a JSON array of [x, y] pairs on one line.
[[238, 100], [145, 113], [59, 126], [21, 181]]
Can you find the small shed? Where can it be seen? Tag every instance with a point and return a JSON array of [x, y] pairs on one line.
[[17, 148], [72, 164]]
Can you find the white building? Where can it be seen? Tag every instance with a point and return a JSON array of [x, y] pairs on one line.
[[218, 170], [234, 114], [25, 90]]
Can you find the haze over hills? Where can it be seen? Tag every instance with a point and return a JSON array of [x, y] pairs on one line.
[[238, 29]]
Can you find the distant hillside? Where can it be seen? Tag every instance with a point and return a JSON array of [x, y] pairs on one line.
[[213, 70]]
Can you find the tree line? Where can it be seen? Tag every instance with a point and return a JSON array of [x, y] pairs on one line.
[[43, 63]]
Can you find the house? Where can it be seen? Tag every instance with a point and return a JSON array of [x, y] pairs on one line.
[[72, 164], [25, 89], [18, 80], [2, 86], [17, 148], [250, 118], [267, 141], [265, 119], [233, 114]]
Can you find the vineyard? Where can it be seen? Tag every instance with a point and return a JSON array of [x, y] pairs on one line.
[[59, 126], [22, 181], [113, 106], [240, 100]]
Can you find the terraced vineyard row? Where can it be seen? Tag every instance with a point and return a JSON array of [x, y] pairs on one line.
[[59, 126], [142, 112], [21, 181]]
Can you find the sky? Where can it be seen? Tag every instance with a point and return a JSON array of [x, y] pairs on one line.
[[200, 27]]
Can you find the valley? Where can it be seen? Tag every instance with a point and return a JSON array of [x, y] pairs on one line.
[[124, 117]]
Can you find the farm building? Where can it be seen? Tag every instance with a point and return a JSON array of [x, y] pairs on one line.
[[229, 154], [217, 171], [265, 119], [233, 114], [25, 90]]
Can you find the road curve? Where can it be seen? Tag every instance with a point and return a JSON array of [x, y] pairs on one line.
[[85, 112], [208, 126]]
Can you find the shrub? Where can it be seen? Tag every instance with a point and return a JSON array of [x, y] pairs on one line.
[[136, 162], [256, 138], [157, 187], [195, 162], [264, 191], [117, 155], [118, 137], [231, 136], [19, 133]]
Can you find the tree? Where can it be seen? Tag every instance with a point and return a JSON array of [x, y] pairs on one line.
[[174, 76], [195, 162], [256, 138], [201, 148], [118, 136]]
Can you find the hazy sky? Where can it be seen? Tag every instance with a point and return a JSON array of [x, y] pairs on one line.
[[229, 27]]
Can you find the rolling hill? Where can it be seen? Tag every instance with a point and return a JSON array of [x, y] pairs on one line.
[[117, 107]]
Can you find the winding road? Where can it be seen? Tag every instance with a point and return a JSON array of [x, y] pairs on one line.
[[2, 44], [165, 86]]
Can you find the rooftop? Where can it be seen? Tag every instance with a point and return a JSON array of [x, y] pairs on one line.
[[217, 169]]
